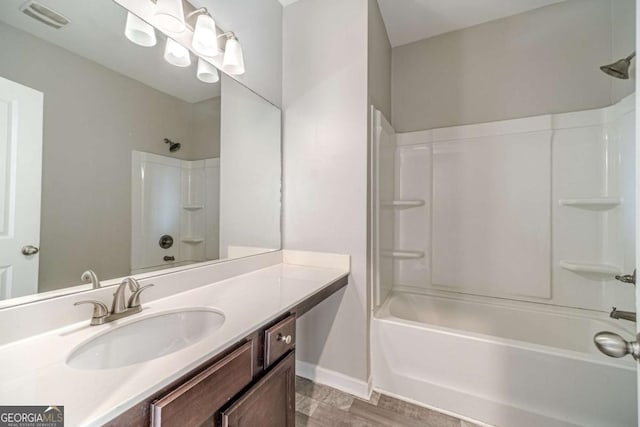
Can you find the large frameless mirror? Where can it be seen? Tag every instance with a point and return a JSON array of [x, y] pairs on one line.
[[114, 160]]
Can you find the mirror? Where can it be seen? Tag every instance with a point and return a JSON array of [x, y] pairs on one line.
[[115, 161]]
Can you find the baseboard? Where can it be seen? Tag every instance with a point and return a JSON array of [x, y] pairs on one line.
[[337, 380]]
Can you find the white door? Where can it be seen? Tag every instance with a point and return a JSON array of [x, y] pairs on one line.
[[20, 182]]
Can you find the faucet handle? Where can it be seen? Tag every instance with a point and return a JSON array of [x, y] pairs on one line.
[[134, 299], [134, 285], [100, 311]]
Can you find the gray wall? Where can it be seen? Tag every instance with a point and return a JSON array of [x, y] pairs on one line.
[[379, 61], [250, 171], [205, 137], [258, 26], [325, 169], [93, 118], [623, 33], [539, 62]]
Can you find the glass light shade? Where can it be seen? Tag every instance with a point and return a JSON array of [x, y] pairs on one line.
[[176, 54], [206, 72], [233, 62], [169, 16], [205, 36], [139, 31]]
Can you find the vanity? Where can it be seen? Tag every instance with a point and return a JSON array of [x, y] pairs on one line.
[[250, 383], [240, 370]]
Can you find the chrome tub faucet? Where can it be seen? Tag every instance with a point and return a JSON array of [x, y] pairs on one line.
[[625, 315]]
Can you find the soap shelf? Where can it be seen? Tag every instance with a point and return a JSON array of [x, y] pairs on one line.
[[398, 254], [192, 240], [192, 207], [590, 267], [592, 203], [402, 204]]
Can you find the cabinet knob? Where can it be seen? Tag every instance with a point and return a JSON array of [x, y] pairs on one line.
[[285, 338]]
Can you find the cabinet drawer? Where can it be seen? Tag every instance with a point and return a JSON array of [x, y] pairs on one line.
[[278, 340], [196, 400]]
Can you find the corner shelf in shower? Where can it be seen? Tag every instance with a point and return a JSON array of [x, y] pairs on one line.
[[192, 240], [192, 207], [592, 203], [402, 204], [590, 267], [398, 254]]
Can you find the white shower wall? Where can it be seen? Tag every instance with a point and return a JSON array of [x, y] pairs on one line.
[[175, 197], [537, 209], [383, 175]]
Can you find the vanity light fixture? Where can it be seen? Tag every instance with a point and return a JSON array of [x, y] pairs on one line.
[[176, 54], [139, 31], [205, 35], [233, 62], [169, 16], [207, 73]]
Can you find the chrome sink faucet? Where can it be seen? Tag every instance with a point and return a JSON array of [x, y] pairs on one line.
[[119, 307], [625, 315]]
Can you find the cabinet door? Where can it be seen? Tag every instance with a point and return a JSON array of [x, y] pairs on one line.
[[270, 403], [192, 403]]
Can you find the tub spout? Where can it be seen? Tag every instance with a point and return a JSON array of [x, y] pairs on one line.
[[626, 315]]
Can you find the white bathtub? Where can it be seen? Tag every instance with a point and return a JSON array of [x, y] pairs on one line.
[[503, 365]]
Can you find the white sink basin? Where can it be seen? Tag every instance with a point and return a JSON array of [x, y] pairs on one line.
[[146, 339]]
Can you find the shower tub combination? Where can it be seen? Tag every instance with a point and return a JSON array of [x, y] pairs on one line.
[[488, 292], [502, 364]]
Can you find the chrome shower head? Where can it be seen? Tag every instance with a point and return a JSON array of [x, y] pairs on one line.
[[620, 68], [173, 146]]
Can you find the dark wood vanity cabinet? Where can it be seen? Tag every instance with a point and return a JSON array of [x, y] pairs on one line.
[[198, 399], [232, 392], [250, 384]]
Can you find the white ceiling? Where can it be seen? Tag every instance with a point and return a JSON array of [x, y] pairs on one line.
[[408, 21], [287, 2], [96, 32]]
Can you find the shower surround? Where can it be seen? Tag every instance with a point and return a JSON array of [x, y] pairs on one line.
[[177, 198], [490, 236]]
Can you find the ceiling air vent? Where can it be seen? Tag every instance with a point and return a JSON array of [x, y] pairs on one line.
[[44, 14]]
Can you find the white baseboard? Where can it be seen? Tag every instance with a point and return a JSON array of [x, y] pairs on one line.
[[342, 382]]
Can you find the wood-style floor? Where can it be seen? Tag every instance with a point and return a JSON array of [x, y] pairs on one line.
[[321, 406]]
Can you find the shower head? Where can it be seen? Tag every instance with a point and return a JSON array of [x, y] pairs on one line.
[[173, 146], [620, 68]]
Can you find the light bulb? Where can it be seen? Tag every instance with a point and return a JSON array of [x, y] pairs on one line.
[[205, 36], [176, 54], [169, 16], [139, 31], [233, 62], [206, 72]]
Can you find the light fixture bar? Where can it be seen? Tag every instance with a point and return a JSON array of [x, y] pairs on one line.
[[198, 33]]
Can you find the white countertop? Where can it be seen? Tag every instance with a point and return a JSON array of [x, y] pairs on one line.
[[33, 370]]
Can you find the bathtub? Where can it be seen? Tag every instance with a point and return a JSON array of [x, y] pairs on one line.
[[506, 365]]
